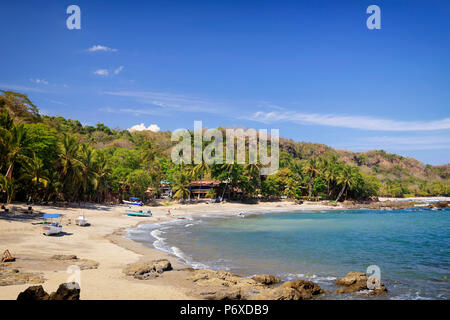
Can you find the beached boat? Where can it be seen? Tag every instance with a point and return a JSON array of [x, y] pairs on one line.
[[138, 213], [53, 227], [81, 221], [133, 201]]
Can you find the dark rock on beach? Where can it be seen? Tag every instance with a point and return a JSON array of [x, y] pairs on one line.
[[66, 291], [33, 293]]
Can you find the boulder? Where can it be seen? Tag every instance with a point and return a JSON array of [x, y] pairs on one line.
[[266, 279], [147, 269], [66, 291], [33, 293], [306, 289], [357, 281], [291, 290], [278, 293], [351, 278], [441, 204], [231, 294], [222, 285]]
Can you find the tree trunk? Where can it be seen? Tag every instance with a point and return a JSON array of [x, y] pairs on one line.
[[342, 191], [10, 171]]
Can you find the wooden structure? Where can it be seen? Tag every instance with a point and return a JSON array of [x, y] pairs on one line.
[[200, 188]]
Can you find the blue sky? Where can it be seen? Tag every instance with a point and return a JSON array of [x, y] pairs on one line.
[[310, 68]]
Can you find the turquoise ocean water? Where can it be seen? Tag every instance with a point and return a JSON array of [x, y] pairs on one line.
[[411, 247]]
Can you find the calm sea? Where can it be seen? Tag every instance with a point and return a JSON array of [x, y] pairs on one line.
[[411, 247]]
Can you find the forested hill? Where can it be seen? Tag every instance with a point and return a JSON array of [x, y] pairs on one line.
[[63, 148], [398, 174]]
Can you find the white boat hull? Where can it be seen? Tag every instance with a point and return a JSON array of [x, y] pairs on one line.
[[81, 222], [49, 230], [133, 203]]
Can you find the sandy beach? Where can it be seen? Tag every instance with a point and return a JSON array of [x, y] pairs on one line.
[[104, 242]]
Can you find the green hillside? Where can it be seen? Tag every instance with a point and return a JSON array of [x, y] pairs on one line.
[[52, 158]]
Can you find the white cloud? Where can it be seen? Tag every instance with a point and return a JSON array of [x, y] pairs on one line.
[[169, 101], [21, 88], [101, 48], [400, 143], [118, 70], [351, 121], [39, 81], [141, 127], [101, 72], [58, 102]]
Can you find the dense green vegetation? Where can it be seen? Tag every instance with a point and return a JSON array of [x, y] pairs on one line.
[[52, 158]]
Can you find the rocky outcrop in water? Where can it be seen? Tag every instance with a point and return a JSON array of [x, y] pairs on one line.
[[147, 269], [266, 279], [221, 285], [440, 204], [394, 205], [357, 281], [291, 290]]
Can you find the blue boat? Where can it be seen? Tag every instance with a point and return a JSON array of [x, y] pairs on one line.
[[133, 201], [138, 213]]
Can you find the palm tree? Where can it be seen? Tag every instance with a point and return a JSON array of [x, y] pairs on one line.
[[253, 170], [180, 187], [17, 148], [201, 169], [87, 170], [345, 178], [329, 175], [7, 186], [70, 165], [103, 171], [36, 172], [311, 168], [229, 168], [54, 187]]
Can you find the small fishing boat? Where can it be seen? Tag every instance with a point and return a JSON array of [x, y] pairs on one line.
[[53, 227], [138, 213], [81, 221], [133, 201]]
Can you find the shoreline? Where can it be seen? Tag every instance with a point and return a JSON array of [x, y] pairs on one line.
[[105, 242]]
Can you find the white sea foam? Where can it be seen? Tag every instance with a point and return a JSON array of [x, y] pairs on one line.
[[294, 276]]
